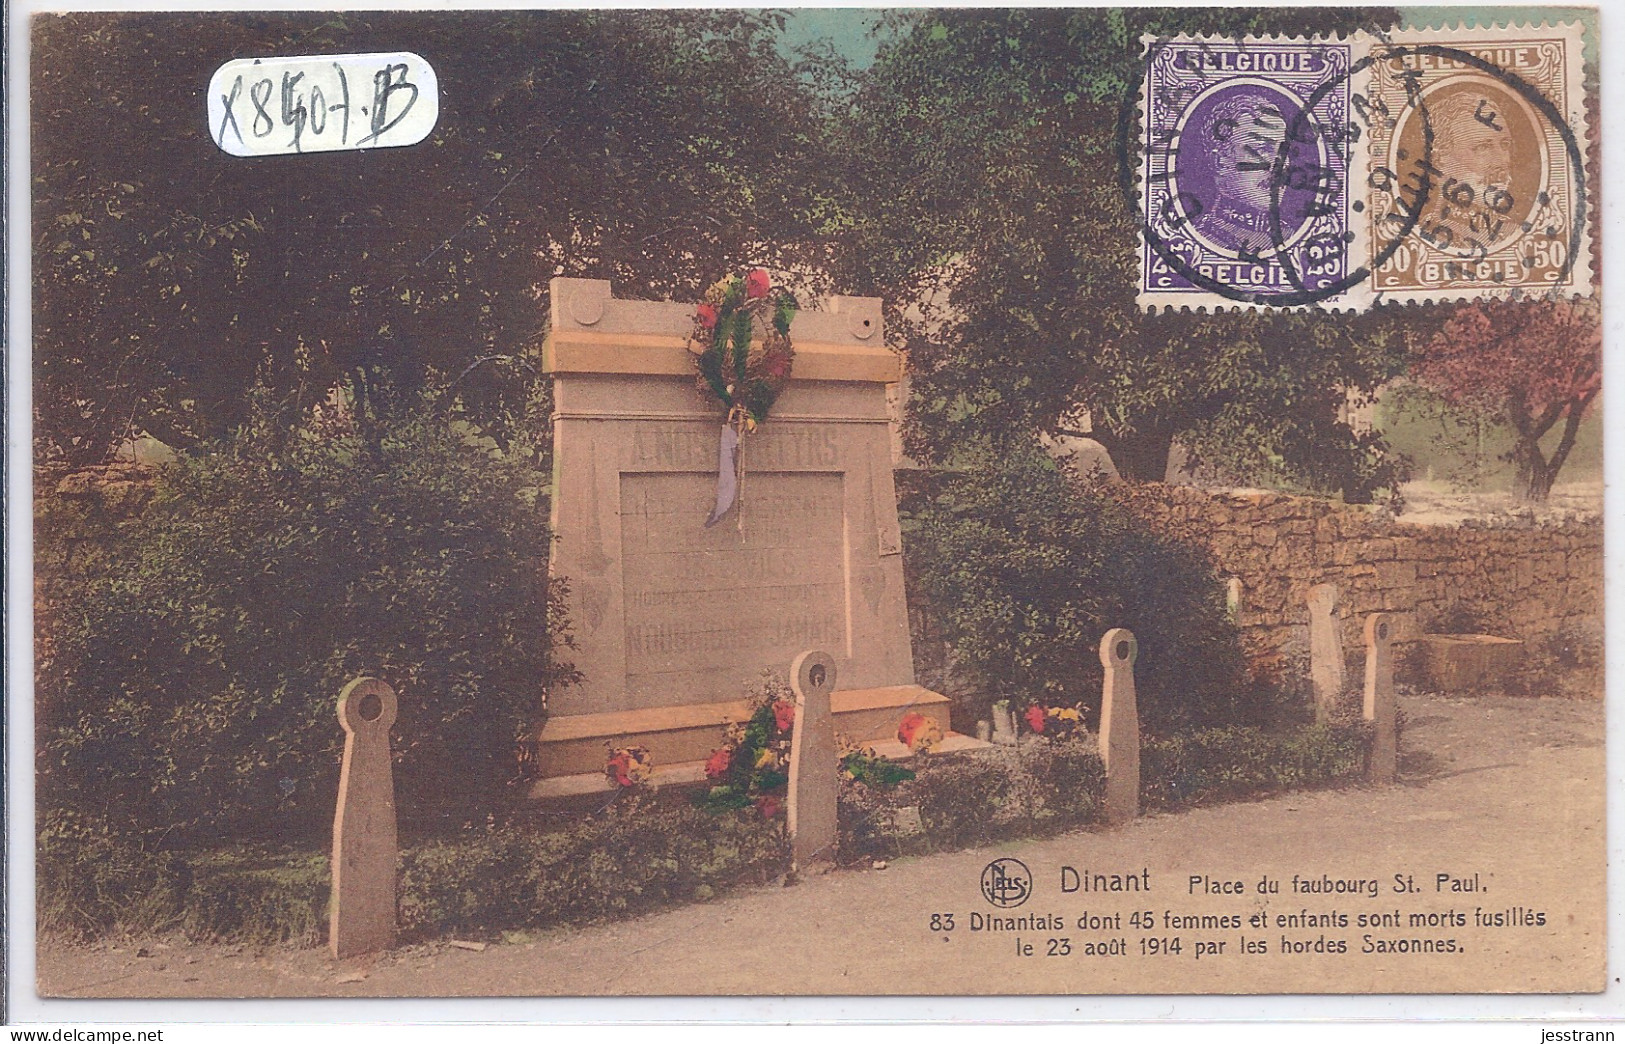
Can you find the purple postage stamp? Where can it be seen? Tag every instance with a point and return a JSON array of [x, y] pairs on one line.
[[1245, 172]]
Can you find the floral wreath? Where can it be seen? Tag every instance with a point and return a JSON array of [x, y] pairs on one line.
[[744, 377]]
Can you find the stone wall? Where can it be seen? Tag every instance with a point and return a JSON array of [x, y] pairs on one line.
[[1518, 580]]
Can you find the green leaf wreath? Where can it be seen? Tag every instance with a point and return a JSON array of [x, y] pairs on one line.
[[745, 375]]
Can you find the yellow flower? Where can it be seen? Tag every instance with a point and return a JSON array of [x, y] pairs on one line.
[[767, 759], [718, 290]]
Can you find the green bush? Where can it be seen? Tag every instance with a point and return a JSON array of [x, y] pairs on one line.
[[258, 897], [1027, 568], [1007, 792], [635, 857], [1224, 764], [91, 879], [190, 670]]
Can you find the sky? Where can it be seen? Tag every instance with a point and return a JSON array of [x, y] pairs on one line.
[[845, 27]]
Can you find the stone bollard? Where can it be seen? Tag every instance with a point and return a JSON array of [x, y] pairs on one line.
[[1120, 726], [1381, 705], [1325, 650], [1232, 599], [813, 771], [362, 914]]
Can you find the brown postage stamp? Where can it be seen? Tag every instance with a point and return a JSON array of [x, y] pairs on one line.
[[1496, 121]]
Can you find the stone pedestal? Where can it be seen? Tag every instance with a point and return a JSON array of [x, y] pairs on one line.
[[1120, 726], [362, 911], [1463, 663], [813, 770]]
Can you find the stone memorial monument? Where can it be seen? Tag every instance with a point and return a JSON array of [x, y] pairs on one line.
[[361, 916], [674, 621]]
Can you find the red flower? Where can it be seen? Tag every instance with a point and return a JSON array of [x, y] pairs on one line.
[[784, 714], [1035, 718], [757, 284], [707, 315], [911, 723], [716, 766], [768, 806], [628, 766]]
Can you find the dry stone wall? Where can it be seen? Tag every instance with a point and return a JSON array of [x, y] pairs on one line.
[[1522, 580]]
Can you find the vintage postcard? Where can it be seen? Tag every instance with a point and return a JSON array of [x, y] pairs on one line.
[[896, 502]]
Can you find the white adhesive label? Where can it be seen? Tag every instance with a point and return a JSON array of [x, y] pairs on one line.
[[326, 103]]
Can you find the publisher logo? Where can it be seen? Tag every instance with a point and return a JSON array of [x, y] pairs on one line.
[[1006, 883]]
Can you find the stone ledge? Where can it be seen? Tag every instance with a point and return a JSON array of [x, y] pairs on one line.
[[586, 783], [663, 355], [571, 745]]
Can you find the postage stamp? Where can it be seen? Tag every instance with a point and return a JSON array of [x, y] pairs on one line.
[[1495, 122], [1246, 171], [1422, 165]]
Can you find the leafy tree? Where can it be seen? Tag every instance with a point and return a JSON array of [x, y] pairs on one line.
[[1532, 363], [653, 148], [987, 173], [189, 666]]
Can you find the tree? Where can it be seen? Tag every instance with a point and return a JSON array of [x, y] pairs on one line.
[[1533, 363], [987, 182], [191, 655], [654, 148]]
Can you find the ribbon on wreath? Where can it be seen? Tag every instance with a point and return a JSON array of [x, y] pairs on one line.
[[730, 467]]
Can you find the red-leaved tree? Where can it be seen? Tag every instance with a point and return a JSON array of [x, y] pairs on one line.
[[1529, 363]]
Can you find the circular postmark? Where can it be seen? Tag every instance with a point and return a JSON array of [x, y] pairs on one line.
[[1006, 883], [1488, 156], [1416, 185]]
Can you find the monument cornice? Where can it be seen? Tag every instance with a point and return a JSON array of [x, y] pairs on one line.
[[589, 351], [593, 332]]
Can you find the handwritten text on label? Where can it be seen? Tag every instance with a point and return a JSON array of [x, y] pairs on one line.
[[326, 103]]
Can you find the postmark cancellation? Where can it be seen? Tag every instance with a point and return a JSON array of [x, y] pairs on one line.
[[1413, 166]]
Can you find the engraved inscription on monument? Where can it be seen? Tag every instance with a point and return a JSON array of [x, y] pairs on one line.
[[755, 596]]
